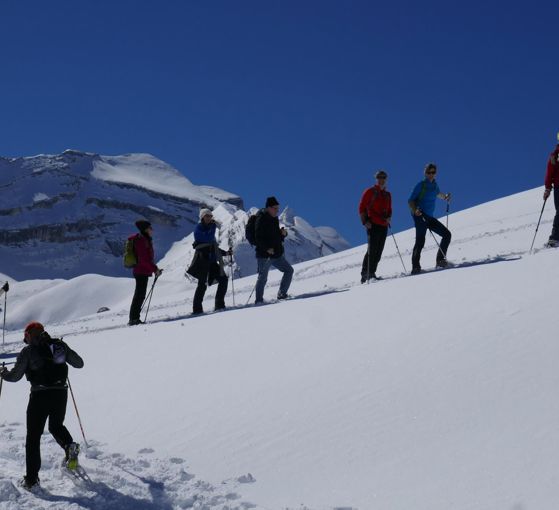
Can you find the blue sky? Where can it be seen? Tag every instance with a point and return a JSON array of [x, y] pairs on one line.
[[301, 99]]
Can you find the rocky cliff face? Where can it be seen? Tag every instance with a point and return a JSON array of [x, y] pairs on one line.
[[69, 214]]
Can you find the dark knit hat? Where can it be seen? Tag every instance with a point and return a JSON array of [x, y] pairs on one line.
[[142, 225], [271, 202]]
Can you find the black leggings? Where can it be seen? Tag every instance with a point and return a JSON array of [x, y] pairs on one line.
[[422, 224], [222, 282], [139, 296], [555, 230], [44, 404], [376, 237]]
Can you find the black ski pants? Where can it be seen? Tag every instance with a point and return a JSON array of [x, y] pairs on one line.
[[555, 230], [422, 224], [376, 237], [44, 404], [222, 282], [139, 296]]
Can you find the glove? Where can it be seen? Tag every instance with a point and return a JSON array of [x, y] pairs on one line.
[[6, 287], [546, 194], [447, 197], [418, 212], [158, 272]]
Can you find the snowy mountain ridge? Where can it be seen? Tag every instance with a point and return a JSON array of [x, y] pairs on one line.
[[69, 214]]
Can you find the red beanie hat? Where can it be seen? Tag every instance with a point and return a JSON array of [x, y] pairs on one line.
[[34, 325]]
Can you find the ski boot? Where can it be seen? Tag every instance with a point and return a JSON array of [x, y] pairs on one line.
[[29, 485], [72, 452]]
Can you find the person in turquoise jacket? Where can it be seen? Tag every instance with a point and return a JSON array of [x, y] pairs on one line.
[[422, 203]]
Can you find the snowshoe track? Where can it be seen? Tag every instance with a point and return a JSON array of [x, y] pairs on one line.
[[111, 481]]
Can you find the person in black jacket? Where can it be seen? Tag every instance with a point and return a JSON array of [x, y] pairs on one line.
[[269, 249], [44, 363], [207, 265]]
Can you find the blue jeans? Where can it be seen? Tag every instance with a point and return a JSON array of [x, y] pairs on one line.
[[264, 267]]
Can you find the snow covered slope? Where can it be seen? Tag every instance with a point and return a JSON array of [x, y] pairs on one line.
[[69, 214], [431, 392]]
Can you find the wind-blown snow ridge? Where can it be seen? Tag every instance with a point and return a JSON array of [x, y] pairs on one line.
[[146, 171]]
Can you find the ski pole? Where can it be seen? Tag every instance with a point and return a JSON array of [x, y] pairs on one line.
[[150, 296], [232, 279], [1, 378], [251, 293], [5, 288], [397, 249], [146, 298], [368, 255], [447, 209], [77, 412], [232, 272], [538, 226]]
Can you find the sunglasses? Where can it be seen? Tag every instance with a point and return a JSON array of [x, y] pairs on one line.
[[381, 177], [431, 172]]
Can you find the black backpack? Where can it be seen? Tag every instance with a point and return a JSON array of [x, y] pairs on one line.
[[48, 367], [250, 228]]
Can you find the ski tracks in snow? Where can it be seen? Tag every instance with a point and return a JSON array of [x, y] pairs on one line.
[[117, 482]]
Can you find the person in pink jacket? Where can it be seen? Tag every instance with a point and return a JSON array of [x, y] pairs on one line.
[[144, 268], [552, 182]]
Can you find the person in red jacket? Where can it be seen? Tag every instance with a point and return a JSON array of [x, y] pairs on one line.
[[552, 181], [375, 211], [144, 268]]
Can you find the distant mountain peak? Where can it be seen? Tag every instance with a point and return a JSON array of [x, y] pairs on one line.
[[63, 215]]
